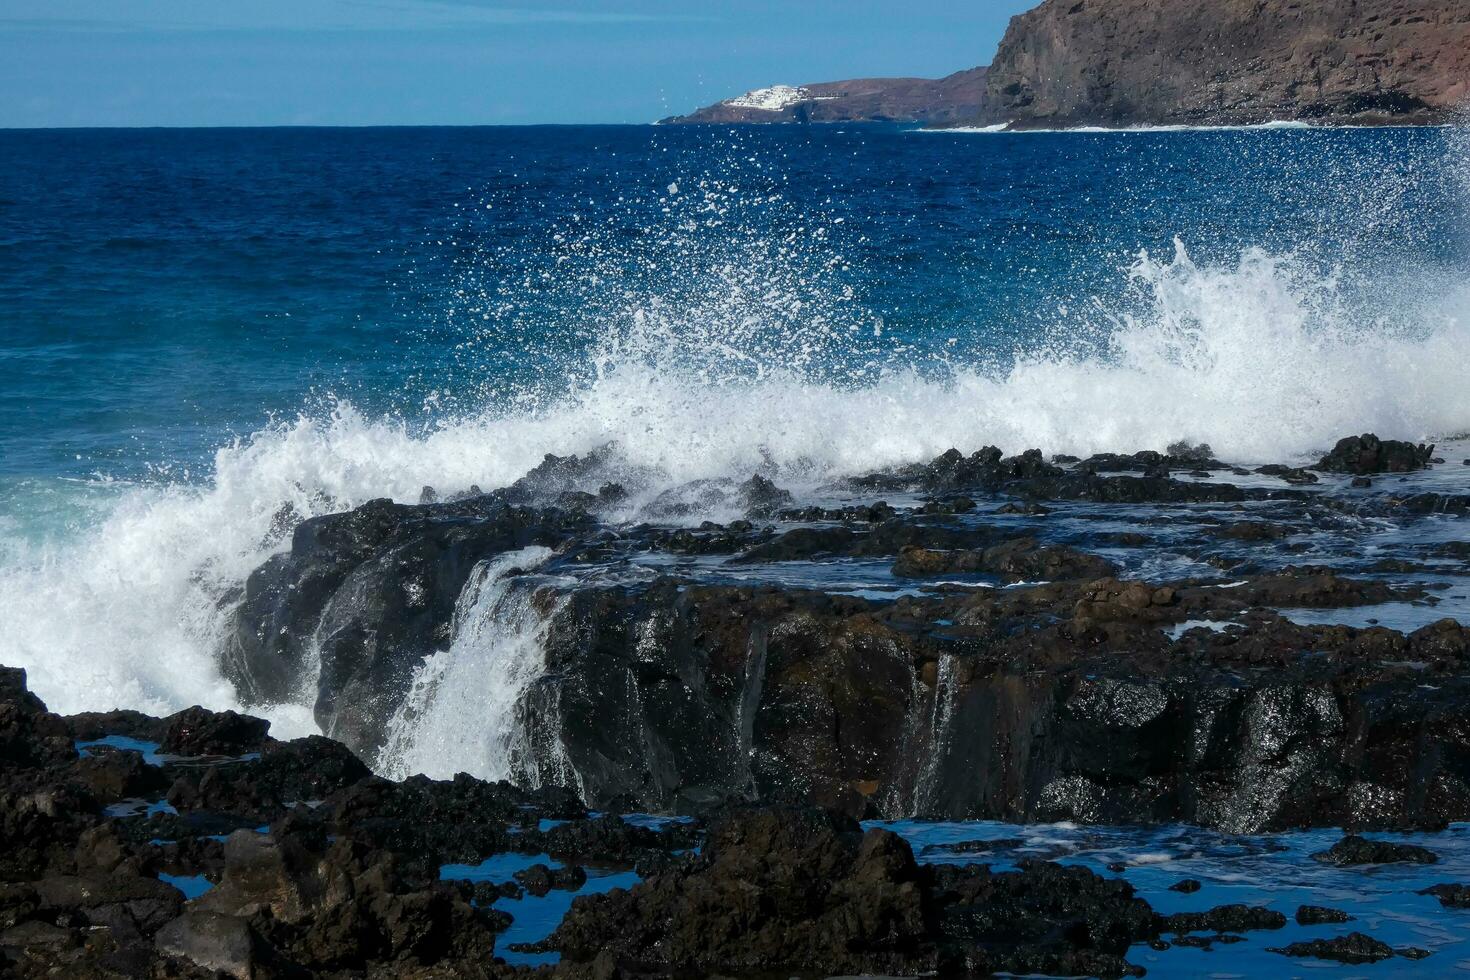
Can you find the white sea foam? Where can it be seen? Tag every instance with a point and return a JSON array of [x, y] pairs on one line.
[[1257, 358]]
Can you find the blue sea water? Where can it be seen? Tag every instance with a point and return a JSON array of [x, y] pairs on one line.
[[148, 750], [165, 291], [192, 886], [199, 328]]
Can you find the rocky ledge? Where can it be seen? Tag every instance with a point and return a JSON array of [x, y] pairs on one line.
[[1008, 661]]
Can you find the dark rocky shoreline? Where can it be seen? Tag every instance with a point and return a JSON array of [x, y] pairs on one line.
[[1021, 671], [315, 868]]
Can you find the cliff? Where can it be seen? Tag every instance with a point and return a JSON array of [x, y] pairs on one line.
[[927, 100], [1135, 62]]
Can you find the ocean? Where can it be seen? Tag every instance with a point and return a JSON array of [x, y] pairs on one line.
[[201, 326], [203, 330]]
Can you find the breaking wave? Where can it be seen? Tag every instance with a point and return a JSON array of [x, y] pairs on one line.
[[761, 363]]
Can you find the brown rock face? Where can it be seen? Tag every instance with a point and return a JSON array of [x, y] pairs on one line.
[[1132, 62], [929, 100]]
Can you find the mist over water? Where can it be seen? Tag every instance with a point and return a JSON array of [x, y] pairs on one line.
[[809, 309]]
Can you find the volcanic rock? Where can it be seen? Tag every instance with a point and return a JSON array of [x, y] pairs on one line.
[[539, 879], [304, 770], [761, 498], [1016, 560], [1355, 947], [1353, 850], [223, 944], [1365, 454], [1224, 918], [377, 585], [1454, 896], [199, 731], [1153, 62], [30, 736], [807, 890]]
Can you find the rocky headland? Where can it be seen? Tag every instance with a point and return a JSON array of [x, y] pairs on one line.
[[1128, 63], [1237, 62], [1028, 649], [912, 100]]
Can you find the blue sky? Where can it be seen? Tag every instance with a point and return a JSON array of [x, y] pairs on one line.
[[366, 62]]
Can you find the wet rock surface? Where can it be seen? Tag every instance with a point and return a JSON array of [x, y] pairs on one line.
[[1316, 915], [1454, 896], [1353, 850], [1354, 948], [1222, 919], [351, 886], [334, 889], [1005, 662], [378, 585], [197, 731], [1367, 454], [794, 889]]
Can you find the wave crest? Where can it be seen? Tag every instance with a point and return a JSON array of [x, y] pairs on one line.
[[1263, 359]]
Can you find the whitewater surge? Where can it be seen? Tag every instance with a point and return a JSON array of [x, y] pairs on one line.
[[710, 346], [460, 714], [1262, 359]]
